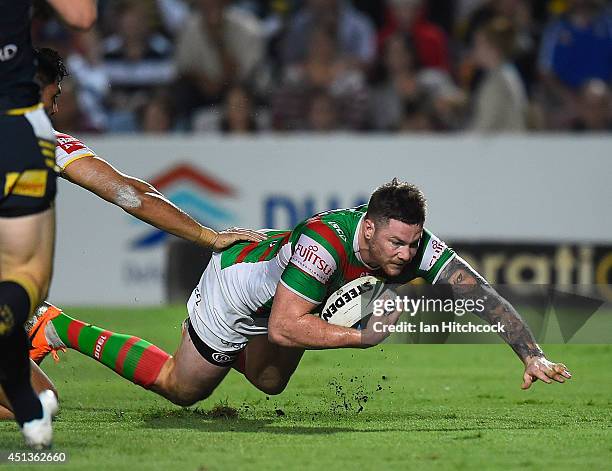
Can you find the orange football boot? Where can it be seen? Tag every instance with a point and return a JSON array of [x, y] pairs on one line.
[[40, 346]]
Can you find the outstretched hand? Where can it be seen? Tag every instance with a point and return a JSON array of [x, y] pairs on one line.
[[232, 235], [379, 325], [545, 370]]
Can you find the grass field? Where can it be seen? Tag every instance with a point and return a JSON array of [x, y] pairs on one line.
[[390, 407]]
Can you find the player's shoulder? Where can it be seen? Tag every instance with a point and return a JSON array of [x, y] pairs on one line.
[[69, 148], [329, 234], [337, 224], [432, 255], [334, 230]]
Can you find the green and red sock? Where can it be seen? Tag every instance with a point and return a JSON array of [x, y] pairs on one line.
[[133, 358]]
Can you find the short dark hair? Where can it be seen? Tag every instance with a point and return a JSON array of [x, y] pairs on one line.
[[501, 34], [51, 67], [397, 200]]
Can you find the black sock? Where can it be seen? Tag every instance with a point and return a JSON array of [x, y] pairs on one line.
[[15, 376], [14, 306], [14, 358]]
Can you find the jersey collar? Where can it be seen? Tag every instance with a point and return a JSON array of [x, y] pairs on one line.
[[356, 245]]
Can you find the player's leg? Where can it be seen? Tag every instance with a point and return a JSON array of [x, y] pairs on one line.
[[26, 254], [27, 234], [184, 378], [268, 366], [188, 376], [40, 382], [26, 251], [5, 411], [225, 337], [25, 265]]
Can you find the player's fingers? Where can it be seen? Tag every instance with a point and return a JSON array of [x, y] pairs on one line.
[[559, 378], [248, 232], [253, 237], [561, 369], [542, 376], [527, 381], [393, 317], [243, 229], [552, 372], [242, 234]]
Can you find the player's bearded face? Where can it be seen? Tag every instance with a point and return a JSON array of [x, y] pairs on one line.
[[393, 245]]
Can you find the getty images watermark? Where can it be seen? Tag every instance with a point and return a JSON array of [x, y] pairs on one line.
[[555, 314], [422, 305]]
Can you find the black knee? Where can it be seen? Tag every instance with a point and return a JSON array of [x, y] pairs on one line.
[[14, 307]]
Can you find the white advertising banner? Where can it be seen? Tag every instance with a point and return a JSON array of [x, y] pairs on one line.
[[545, 188]]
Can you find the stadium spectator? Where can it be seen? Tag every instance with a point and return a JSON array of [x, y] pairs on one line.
[[354, 32], [137, 61], [376, 11], [431, 42], [417, 116], [443, 14], [575, 48], [239, 116], [285, 51], [157, 116], [500, 101], [401, 81], [289, 106], [265, 9], [173, 14], [525, 53], [86, 67], [324, 68], [323, 113], [70, 118], [219, 46], [517, 11], [398, 83], [594, 108]]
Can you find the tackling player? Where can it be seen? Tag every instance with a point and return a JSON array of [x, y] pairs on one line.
[[252, 307], [27, 217], [81, 166]]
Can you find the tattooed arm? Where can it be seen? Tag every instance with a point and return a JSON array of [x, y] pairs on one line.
[[467, 284]]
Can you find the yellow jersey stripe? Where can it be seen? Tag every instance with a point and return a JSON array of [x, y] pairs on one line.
[[46, 144], [9, 181], [22, 111]]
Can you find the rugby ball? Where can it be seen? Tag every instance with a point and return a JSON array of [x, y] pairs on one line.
[[353, 302]]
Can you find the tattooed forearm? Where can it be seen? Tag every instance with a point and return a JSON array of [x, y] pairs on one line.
[[468, 284]]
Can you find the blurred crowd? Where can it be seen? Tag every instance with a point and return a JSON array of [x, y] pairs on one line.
[[248, 66]]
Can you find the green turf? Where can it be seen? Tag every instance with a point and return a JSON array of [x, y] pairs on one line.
[[427, 407]]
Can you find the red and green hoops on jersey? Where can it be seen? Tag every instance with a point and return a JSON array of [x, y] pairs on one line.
[[321, 254]]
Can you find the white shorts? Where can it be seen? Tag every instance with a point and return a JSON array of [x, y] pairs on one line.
[[218, 322]]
